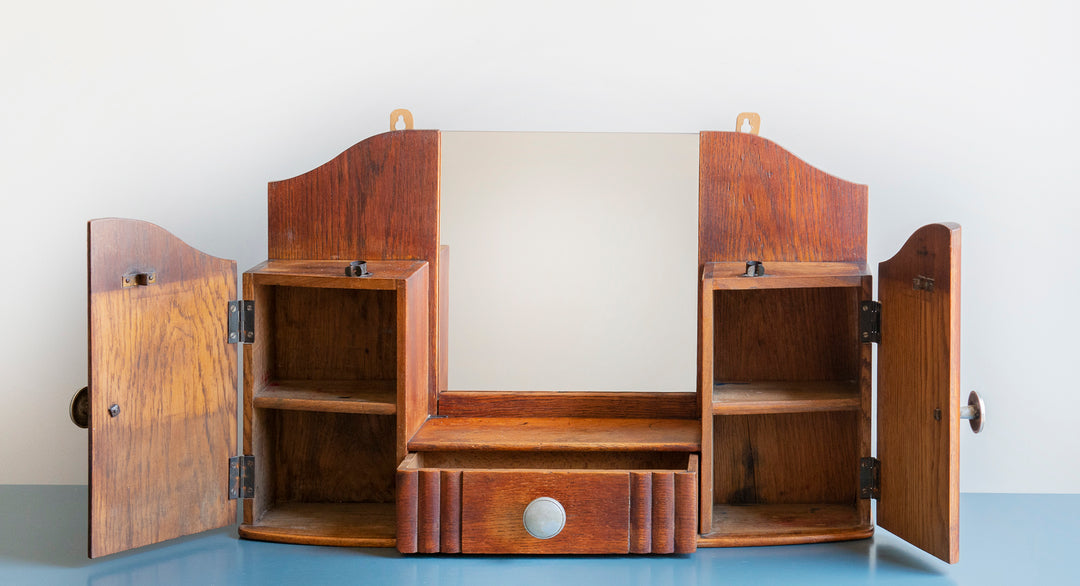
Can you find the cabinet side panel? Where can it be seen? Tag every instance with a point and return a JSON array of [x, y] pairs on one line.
[[160, 360], [760, 202], [919, 391]]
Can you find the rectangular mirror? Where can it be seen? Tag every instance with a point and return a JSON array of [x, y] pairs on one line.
[[573, 260]]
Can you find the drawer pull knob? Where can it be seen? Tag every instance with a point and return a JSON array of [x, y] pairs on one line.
[[544, 518]]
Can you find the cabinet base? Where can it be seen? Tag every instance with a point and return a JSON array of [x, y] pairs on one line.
[[753, 525]]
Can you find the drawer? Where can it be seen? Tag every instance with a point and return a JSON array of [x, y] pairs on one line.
[[547, 503]]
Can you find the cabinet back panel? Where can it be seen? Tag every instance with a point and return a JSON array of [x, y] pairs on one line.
[[333, 457], [332, 334], [786, 458], [786, 334]]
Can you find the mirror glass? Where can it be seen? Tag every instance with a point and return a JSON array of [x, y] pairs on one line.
[[573, 260]]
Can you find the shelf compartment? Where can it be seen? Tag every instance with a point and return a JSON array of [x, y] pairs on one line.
[[785, 397], [742, 525], [343, 524], [558, 434], [373, 397], [784, 275], [330, 274]]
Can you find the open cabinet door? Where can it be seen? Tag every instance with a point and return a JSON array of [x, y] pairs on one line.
[[162, 387], [919, 391]]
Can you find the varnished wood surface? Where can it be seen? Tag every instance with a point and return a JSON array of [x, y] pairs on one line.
[[328, 334], [378, 200], [752, 525], [557, 433], [760, 202], [158, 470], [342, 524], [596, 503], [785, 397], [785, 275], [375, 397], [632, 405], [482, 496], [332, 457], [786, 458], [331, 274], [918, 374], [413, 359], [786, 334]]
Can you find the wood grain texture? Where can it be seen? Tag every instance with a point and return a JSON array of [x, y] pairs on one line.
[[785, 275], [557, 433], [374, 397], [705, 379], [631, 405], [428, 513], [582, 460], [686, 513], [160, 352], [407, 505], [919, 373], [786, 335], [378, 200], [413, 361], [450, 511], [641, 512], [663, 513], [340, 524], [327, 274], [786, 458], [597, 505], [760, 202], [333, 457], [866, 399], [755, 525], [785, 397]]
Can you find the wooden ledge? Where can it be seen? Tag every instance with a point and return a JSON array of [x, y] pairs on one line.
[[557, 434]]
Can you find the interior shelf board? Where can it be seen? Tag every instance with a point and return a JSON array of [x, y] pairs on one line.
[[331, 273], [557, 433], [740, 525], [784, 275], [785, 397], [344, 524], [372, 397]]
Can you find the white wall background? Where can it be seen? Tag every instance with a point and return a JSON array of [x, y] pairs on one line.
[[180, 113]]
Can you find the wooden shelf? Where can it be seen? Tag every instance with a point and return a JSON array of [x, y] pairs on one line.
[[330, 274], [785, 397], [741, 525], [372, 397], [784, 275], [345, 524], [557, 434]]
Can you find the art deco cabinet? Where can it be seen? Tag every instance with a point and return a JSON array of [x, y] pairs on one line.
[[351, 437]]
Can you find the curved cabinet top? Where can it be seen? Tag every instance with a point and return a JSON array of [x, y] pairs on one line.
[[760, 202], [378, 200]]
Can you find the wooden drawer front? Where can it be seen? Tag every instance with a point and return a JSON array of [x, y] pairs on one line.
[[597, 505], [480, 509]]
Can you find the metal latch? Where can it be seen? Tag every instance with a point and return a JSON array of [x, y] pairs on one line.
[[242, 322], [869, 321], [138, 279], [869, 478], [241, 477]]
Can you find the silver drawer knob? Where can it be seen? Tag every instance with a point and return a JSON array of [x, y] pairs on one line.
[[544, 518]]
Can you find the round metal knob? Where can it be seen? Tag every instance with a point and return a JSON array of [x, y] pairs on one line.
[[974, 412], [79, 409], [544, 518]]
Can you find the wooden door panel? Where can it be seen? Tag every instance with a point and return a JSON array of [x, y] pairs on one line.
[[919, 391], [159, 352]]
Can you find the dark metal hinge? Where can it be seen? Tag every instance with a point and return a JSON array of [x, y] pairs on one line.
[[869, 321], [241, 322], [869, 478], [241, 477]]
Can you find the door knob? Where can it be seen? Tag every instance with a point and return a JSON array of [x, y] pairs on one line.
[[544, 518], [79, 409], [974, 411]]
